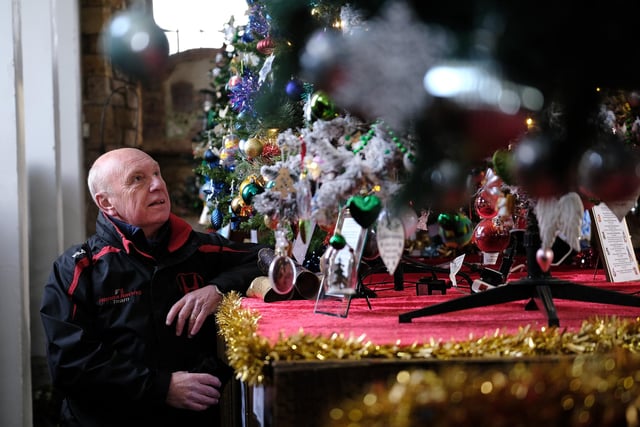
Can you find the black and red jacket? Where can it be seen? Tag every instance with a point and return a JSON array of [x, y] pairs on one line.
[[104, 307]]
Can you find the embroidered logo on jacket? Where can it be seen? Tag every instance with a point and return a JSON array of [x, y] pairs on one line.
[[189, 282], [119, 297]]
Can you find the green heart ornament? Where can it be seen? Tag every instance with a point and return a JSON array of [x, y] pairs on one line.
[[364, 209]]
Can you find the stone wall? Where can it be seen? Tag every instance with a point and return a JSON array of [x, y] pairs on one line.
[[160, 116]]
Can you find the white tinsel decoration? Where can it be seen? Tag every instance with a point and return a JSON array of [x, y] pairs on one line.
[[342, 173]]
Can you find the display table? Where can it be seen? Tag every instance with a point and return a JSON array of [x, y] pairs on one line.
[[296, 367]]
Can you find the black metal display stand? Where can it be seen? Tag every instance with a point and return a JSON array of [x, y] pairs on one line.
[[538, 287]]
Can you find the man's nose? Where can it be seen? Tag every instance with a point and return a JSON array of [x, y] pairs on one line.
[[157, 183]]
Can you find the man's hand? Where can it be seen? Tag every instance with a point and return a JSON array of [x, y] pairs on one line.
[[193, 309], [195, 392]]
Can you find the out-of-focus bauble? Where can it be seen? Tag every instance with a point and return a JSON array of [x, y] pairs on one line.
[[252, 148], [294, 89], [135, 44], [233, 81], [250, 191], [210, 156], [271, 222], [455, 229], [540, 168], [502, 161], [321, 107], [446, 185], [609, 172], [231, 141], [266, 46], [237, 204], [491, 236]]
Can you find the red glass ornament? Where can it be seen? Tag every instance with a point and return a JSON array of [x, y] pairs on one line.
[[490, 235], [486, 204]]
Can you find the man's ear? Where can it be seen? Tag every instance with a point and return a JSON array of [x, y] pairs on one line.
[[104, 204]]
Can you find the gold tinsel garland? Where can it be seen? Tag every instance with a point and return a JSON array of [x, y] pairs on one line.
[[249, 353]]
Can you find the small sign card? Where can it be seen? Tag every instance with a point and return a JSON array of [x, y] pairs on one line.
[[616, 248]]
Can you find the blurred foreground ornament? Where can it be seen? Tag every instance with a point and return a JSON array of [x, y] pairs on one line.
[[610, 172], [540, 167], [135, 44]]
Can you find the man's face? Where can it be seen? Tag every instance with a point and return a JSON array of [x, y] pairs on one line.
[[138, 194]]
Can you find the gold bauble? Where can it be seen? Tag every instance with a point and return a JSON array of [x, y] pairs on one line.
[[237, 204], [253, 148]]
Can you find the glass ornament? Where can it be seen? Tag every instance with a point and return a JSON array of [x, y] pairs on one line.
[[486, 204], [135, 44], [490, 235]]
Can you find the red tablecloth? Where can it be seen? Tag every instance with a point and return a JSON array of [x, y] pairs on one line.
[[381, 324]]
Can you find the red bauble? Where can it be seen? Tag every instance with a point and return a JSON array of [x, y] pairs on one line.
[[266, 46], [233, 81], [490, 235], [486, 203]]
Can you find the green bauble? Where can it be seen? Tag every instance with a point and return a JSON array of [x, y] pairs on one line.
[[321, 107], [249, 192], [337, 241]]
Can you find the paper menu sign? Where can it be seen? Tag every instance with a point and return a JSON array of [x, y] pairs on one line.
[[616, 247]]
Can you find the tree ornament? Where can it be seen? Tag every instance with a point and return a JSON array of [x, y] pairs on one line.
[[237, 204], [544, 257], [211, 157], [337, 241], [250, 191], [135, 44], [390, 239], [233, 81], [455, 229], [284, 183], [539, 168], [364, 209], [282, 268], [491, 236], [266, 46], [609, 172], [231, 141], [271, 221], [486, 204], [294, 89], [252, 148], [216, 218], [320, 107]]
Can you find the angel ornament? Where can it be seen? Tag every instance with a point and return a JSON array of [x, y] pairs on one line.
[[558, 218]]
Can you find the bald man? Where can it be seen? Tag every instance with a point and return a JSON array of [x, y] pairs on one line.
[[128, 314]]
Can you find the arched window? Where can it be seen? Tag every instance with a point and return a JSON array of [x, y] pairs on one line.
[[193, 24]]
